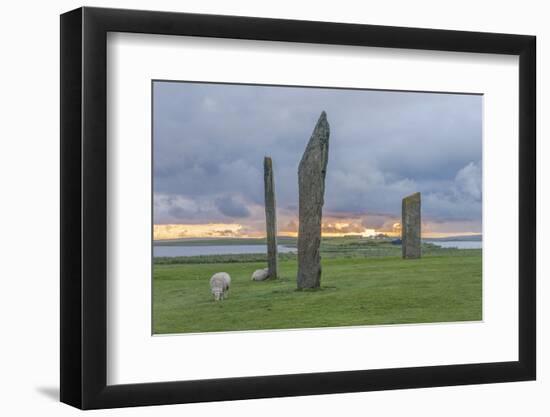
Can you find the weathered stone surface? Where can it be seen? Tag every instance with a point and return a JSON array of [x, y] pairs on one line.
[[311, 185], [260, 274], [410, 226], [270, 218]]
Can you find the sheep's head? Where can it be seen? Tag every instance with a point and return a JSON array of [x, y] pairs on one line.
[[218, 294]]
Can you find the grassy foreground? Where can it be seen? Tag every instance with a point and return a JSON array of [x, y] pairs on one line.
[[440, 287]]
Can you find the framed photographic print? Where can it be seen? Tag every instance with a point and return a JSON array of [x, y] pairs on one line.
[[258, 207]]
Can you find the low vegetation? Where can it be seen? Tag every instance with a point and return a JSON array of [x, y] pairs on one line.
[[346, 247]]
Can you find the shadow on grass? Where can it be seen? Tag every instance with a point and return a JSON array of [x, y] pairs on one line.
[[305, 290]]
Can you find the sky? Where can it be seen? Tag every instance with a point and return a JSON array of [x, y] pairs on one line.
[[209, 142]]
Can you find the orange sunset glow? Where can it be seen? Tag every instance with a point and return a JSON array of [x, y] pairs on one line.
[[329, 229], [179, 231]]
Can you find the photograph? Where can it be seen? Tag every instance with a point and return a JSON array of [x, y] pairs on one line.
[[301, 207], [272, 205]]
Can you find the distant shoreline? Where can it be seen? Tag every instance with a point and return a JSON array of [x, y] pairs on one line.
[[288, 240], [460, 238]]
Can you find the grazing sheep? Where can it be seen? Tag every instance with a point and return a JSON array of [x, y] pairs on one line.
[[219, 285], [260, 274]]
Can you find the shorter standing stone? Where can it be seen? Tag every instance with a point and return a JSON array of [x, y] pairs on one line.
[[410, 226], [270, 218]]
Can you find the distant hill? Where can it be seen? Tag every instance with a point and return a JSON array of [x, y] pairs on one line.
[[462, 238]]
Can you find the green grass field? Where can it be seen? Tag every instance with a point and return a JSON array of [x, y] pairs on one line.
[[358, 288]]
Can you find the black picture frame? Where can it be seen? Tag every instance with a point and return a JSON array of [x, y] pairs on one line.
[[84, 207]]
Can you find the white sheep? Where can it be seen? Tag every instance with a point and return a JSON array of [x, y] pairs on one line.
[[219, 285], [260, 274]]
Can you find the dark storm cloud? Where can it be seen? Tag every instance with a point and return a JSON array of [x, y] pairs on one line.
[[210, 140], [230, 207]]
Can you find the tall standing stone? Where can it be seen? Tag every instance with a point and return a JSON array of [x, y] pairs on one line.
[[410, 226], [270, 218], [311, 185]]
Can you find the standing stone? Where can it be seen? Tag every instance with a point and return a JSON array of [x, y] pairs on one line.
[[270, 218], [410, 226], [311, 185]]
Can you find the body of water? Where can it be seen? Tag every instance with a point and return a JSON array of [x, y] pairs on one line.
[[459, 244], [213, 250]]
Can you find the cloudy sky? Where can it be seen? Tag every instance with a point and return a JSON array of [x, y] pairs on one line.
[[210, 140]]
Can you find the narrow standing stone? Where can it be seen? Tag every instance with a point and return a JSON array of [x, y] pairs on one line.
[[410, 226], [311, 185], [270, 218]]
